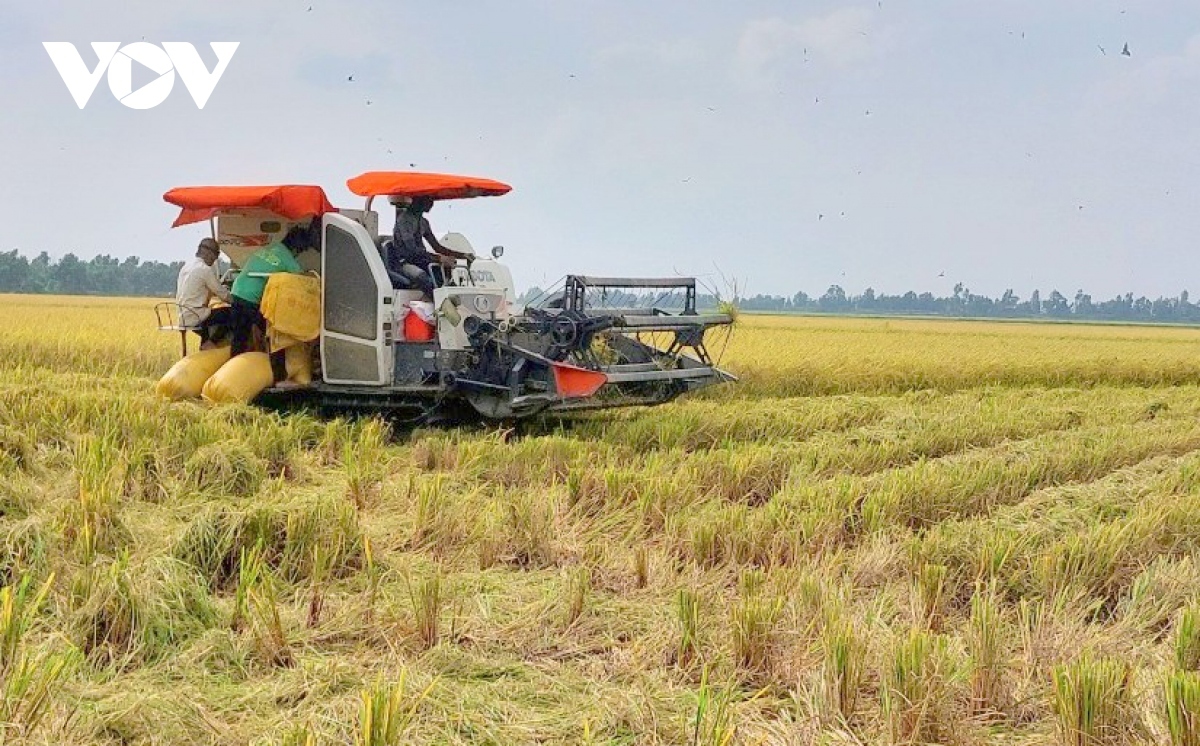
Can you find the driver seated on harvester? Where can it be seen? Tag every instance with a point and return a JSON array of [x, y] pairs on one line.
[[406, 259]]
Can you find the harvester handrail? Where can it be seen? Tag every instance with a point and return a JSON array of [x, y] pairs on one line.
[[576, 288], [635, 282]]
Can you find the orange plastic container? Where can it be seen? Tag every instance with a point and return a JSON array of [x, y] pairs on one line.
[[417, 329]]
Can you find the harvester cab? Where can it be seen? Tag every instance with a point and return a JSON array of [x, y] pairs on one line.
[[474, 349]]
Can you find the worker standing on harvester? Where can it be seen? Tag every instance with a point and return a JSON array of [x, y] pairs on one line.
[[408, 261], [248, 287]]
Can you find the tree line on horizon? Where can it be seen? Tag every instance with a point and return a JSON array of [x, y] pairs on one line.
[[100, 275], [108, 275], [964, 303]]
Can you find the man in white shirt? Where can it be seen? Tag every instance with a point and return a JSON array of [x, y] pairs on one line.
[[197, 285]]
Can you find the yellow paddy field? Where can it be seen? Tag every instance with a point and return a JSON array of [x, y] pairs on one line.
[[889, 531]]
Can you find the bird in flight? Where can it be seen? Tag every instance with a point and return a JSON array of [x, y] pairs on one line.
[[1101, 50], [351, 78], [1125, 50]]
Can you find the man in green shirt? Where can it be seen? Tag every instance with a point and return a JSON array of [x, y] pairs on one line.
[[252, 280], [247, 290]]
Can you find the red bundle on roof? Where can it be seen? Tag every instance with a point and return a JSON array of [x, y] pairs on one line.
[[435, 186], [290, 201]]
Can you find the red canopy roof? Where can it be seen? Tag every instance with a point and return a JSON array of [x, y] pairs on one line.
[[412, 184], [290, 201]]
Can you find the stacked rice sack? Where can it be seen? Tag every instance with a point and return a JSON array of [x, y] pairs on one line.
[[291, 305]]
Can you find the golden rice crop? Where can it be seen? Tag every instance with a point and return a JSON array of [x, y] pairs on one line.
[[889, 531]]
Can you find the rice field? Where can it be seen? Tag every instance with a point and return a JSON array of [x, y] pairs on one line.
[[890, 531]]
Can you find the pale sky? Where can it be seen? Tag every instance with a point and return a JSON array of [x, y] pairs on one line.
[[993, 142]]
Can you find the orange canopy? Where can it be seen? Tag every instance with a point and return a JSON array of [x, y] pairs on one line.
[[290, 201], [436, 186]]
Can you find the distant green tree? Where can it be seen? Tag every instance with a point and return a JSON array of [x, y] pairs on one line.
[[39, 274], [1056, 305], [1083, 304], [70, 276], [1009, 303], [834, 299], [1035, 303], [14, 272]]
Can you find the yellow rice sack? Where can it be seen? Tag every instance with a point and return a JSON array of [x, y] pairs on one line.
[[186, 378], [240, 380], [291, 304], [245, 376], [277, 341], [298, 360]]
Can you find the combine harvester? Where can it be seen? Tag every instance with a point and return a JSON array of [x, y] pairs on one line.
[[483, 354]]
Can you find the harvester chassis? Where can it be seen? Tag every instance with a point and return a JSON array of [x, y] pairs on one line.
[[507, 370]]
